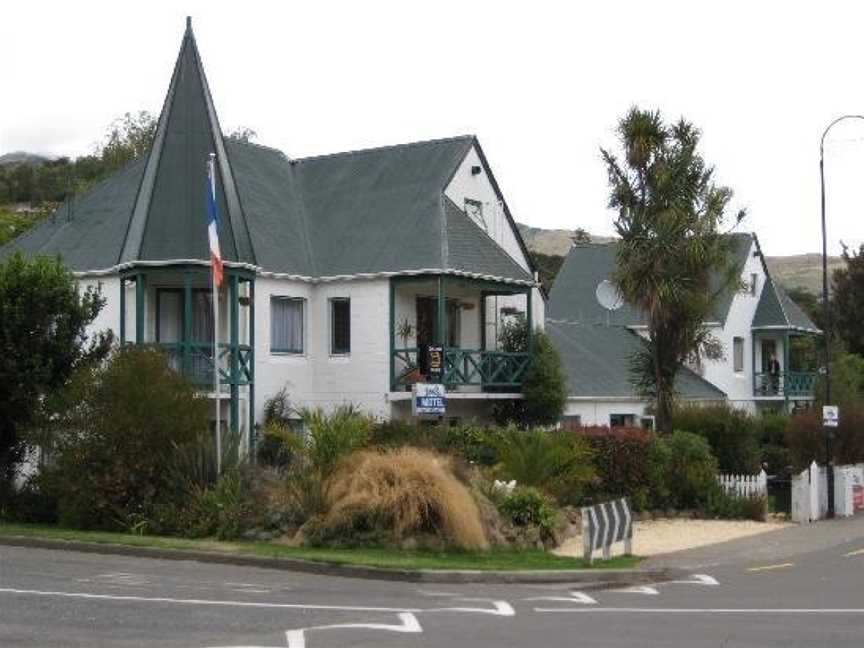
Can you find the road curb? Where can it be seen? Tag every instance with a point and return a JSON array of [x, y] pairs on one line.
[[585, 578]]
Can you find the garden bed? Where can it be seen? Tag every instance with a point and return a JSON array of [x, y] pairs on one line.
[[653, 537], [497, 560]]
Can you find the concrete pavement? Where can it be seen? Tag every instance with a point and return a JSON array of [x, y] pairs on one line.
[[56, 598]]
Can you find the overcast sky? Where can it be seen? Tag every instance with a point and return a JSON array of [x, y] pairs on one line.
[[541, 84]]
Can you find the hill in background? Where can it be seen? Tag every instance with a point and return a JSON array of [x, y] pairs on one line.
[[22, 157], [550, 246]]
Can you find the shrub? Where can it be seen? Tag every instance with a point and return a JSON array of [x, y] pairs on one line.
[[722, 505], [333, 436], [770, 430], [396, 495], [119, 427], [527, 506], [544, 389], [805, 437], [470, 441], [620, 462], [224, 509], [691, 471], [731, 433], [557, 462], [278, 444]]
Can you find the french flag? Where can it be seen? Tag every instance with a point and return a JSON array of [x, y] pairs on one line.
[[213, 221]]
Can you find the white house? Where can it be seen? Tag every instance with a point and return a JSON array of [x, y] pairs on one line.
[[338, 268], [754, 325]]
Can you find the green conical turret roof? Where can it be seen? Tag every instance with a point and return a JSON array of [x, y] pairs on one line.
[[168, 220]]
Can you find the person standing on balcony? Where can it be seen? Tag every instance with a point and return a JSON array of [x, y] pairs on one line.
[[774, 373]]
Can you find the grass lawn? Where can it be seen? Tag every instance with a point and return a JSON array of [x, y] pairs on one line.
[[386, 558]]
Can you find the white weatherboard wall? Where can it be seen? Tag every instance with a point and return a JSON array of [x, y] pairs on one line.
[[465, 185], [479, 187], [598, 412], [109, 316], [317, 377], [739, 385]]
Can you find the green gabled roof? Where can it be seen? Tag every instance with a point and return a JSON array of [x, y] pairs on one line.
[[380, 210], [272, 202], [88, 231], [469, 248], [777, 310], [597, 361], [573, 295]]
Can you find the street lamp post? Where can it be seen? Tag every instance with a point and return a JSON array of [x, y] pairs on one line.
[[826, 305]]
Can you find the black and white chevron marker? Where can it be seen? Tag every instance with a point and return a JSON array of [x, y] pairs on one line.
[[605, 524]]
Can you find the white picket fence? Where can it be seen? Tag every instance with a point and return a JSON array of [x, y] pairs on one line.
[[745, 485]]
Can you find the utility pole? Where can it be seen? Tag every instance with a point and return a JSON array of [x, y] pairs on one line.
[[826, 305]]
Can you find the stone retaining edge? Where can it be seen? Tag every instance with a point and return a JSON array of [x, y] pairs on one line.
[[586, 578]]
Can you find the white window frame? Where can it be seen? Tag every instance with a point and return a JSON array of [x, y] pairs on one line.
[[735, 366], [305, 322], [331, 323]]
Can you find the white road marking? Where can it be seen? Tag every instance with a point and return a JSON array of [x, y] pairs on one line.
[[697, 579], [215, 602], [770, 567], [409, 624], [447, 594], [499, 608], [638, 589], [710, 610], [575, 597], [857, 552], [251, 591]]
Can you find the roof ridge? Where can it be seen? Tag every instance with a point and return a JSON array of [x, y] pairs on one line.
[[375, 149], [240, 142]]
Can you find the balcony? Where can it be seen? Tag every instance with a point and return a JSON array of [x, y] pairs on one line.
[[465, 367], [786, 384], [195, 361], [469, 319]]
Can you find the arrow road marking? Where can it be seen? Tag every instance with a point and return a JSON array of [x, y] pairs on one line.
[[697, 579], [499, 608], [409, 624], [575, 597], [638, 589]]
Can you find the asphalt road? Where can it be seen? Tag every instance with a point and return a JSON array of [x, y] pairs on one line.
[[57, 598]]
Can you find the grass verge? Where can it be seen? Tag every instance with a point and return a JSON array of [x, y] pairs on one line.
[[367, 557]]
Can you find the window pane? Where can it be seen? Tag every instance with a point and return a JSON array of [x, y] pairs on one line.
[[738, 352], [340, 325], [170, 326], [286, 325]]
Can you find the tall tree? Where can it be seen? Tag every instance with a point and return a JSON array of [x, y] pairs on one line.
[[673, 261], [848, 300], [128, 137], [43, 318]]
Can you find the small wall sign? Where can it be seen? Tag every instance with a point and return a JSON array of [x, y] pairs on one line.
[[830, 416], [435, 362], [428, 399]]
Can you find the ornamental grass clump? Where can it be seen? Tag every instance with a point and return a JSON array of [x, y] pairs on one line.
[[400, 494]]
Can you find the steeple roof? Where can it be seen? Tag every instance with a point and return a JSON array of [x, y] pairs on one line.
[[168, 217]]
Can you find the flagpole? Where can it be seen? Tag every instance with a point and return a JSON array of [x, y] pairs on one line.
[[216, 375], [215, 300]]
